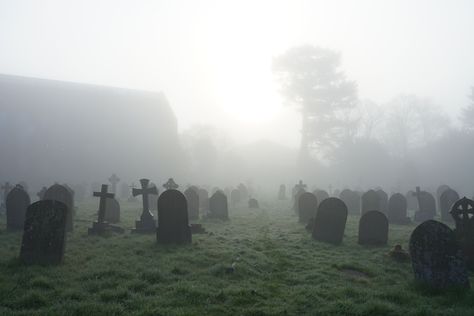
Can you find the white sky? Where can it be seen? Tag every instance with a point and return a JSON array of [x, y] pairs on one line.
[[213, 58]]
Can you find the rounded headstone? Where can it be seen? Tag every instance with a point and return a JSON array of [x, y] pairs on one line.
[[373, 229], [308, 205], [330, 221], [446, 201], [173, 224], [397, 209], [61, 194], [352, 200], [16, 203], [370, 202], [192, 197]]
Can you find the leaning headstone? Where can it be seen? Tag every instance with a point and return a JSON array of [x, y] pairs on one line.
[[235, 197], [253, 203], [370, 202], [192, 199], [446, 201], [218, 206], [321, 195], [307, 207], [173, 225], [436, 258], [102, 226], [282, 192], [426, 206], [383, 200], [373, 229], [17, 202], [61, 194], [147, 223], [397, 209], [463, 214], [112, 211], [330, 221], [44, 235], [352, 201]]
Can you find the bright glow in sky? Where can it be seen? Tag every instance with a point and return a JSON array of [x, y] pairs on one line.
[[213, 58]]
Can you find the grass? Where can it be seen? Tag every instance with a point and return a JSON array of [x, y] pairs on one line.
[[279, 270]]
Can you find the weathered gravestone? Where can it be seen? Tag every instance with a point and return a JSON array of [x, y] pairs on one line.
[[235, 197], [253, 203], [44, 235], [321, 195], [16, 204], [436, 258], [373, 229], [282, 192], [59, 193], [101, 226], [397, 209], [114, 180], [440, 191], [383, 201], [192, 199], [370, 202], [203, 200], [307, 207], [446, 201], [426, 206], [218, 206], [330, 221], [173, 225], [463, 214], [112, 211], [147, 223], [352, 201]]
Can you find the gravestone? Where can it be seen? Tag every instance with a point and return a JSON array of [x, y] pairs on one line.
[[307, 207], [192, 199], [436, 258], [253, 203], [321, 195], [16, 204], [44, 235], [41, 193], [330, 221], [446, 201], [218, 206], [397, 209], [101, 226], [282, 192], [373, 229], [463, 214], [112, 211], [352, 201], [147, 223], [244, 192], [426, 206], [173, 225], [296, 198], [235, 197], [114, 180], [412, 202], [59, 193], [370, 202], [440, 191], [203, 200], [383, 200]]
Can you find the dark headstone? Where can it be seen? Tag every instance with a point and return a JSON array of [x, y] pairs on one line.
[[352, 201], [426, 206], [16, 204], [218, 206], [59, 193], [330, 221], [307, 207], [282, 192], [370, 202], [463, 214], [235, 197], [44, 235], [112, 211], [253, 203], [373, 229], [173, 225], [436, 257], [397, 209], [383, 201], [192, 199], [147, 223], [446, 201], [102, 226], [440, 191], [296, 199]]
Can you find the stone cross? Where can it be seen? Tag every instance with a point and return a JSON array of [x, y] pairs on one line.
[[145, 191], [103, 195], [170, 185], [114, 180]]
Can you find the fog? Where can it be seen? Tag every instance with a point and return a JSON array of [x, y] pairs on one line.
[[341, 94]]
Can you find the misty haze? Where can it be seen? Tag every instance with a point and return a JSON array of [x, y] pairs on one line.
[[236, 157]]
